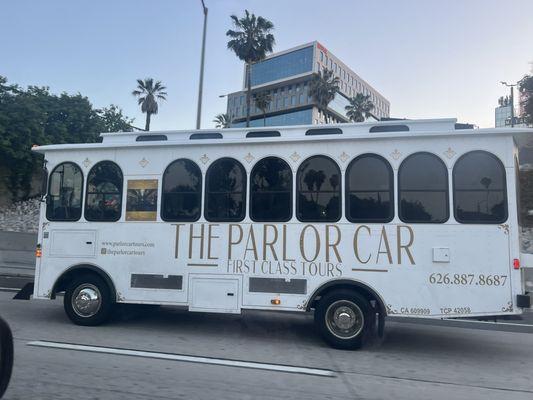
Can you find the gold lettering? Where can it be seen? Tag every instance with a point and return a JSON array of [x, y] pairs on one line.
[[210, 236], [285, 245], [201, 237], [254, 247], [269, 243], [405, 247], [356, 244], [383, 239], [333, 245], [231, 242], [178, 226], [302, 243]]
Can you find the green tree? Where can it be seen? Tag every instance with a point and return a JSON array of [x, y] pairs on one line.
[[222, 120], [262, 100], [526, 87], [149, 93], [360, 108], [113, 120], [323, 88], [251, 41], [36, 116]]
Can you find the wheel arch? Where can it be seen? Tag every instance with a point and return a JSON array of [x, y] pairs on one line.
[[351, 284], [78, 269]]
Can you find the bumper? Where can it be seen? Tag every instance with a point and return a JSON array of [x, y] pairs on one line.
[[523, 300]]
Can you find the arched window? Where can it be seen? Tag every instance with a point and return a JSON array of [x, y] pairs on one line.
[[479, 189], [319, 190], [104, 192], [65, 190], [423, 189], [225, 197], [182, 191], [369, 190], [271, 191]]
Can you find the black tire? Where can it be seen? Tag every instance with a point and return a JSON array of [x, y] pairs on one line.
[[355, 306], [6, 356], [92, 317]]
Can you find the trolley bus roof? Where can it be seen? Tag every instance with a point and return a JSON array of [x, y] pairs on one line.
[[366, 130]]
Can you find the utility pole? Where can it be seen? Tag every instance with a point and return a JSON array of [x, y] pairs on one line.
[[201, 84]]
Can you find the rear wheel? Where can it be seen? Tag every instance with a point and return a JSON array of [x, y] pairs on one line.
[[343, 318], [88, 300]]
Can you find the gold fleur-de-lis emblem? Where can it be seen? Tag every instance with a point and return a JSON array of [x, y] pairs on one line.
[[249, 158], [204, 159], [343, 157], [144, 162], [504, 228], [396, 154], [295, 156], [449, 153], [86, 162]]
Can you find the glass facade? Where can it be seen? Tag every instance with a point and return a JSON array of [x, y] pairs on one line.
[[338, 104], [502, 116], [280, 67], [301, 117]]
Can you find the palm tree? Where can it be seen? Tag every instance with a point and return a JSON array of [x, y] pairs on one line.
[[323, 88], [251, 42], [262, 101], [148, 93], [360, 108], [222, 121]]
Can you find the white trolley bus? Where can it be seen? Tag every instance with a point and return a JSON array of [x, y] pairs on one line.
[[352, 222]]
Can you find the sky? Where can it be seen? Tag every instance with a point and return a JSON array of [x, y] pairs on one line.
[[430, 59]]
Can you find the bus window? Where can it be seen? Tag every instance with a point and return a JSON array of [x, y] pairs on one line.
[[104, 192], [182, 191], [271, 191], [64, 193], [423, 189], [479, 189], [319, 190], [225, 197], [369, 190]]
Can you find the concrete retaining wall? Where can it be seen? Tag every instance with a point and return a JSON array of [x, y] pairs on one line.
[[17, 253]]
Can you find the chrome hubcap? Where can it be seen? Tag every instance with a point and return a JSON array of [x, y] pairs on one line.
[[344, 319], [86, 300]]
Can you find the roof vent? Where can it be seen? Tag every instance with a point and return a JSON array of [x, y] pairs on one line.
[[259, 134], [389, 128], [323, 131], [208, 135], [150, 138]]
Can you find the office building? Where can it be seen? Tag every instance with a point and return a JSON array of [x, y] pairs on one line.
[[286, 76]]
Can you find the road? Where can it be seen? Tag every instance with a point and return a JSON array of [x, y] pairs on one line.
[[412, 361]]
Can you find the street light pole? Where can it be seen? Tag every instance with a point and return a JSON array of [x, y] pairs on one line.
[[201, 84], [511, 99]]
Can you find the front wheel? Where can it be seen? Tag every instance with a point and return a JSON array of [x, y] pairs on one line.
[[88, 300], [343, 318]]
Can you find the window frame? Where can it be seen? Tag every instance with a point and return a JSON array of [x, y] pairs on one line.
[[399, 190], [454, 190], [244, 191], [82, 205], [121, 193], [290, 191], [297, 189], [347, 191], [200, 192]]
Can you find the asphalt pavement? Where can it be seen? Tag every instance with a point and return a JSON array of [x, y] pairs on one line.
[[166, 353]]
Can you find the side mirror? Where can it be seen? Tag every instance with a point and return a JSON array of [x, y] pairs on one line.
[[6, 356]]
